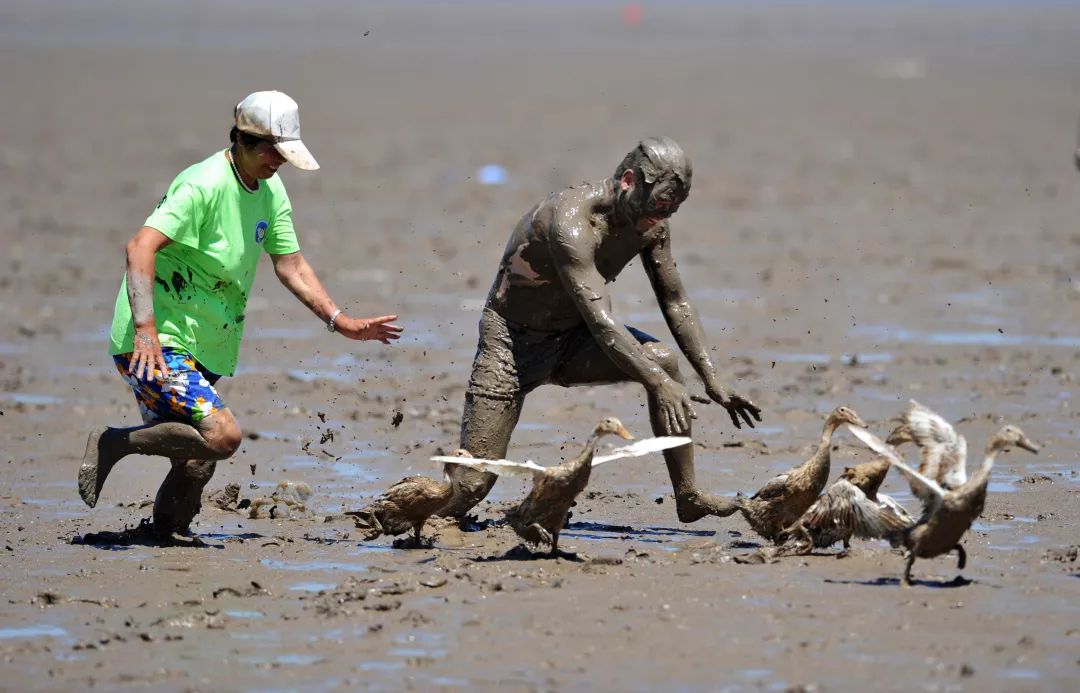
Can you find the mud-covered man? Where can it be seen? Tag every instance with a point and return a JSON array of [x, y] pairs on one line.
[[548, 319]]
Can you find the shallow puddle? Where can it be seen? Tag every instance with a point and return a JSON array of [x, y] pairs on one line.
[[375, 665], [39, 630], [314, 565], [31, 399], [312, 586], [960, 338]]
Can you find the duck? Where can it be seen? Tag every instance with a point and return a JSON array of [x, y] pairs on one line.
[[850, 507], [948, 513], [942, 451], [786, 497], [406, 505], [540, 517]]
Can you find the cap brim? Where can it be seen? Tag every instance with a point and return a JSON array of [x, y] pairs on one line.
[[297, 154]]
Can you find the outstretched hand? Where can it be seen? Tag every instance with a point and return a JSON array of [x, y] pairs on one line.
[[736, 405], [365, 329]]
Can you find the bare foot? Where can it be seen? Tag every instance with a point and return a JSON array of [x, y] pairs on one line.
[[97, 462], [470, 487], [695, 505]]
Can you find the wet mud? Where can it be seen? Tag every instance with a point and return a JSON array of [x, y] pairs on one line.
[[884, 207]]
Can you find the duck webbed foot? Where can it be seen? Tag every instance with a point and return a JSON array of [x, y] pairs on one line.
[[906, 581], [367, 522], [693, 505], [536, 535], [414, 542]]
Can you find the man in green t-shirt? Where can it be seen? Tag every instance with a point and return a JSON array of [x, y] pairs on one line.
[[180, 311]]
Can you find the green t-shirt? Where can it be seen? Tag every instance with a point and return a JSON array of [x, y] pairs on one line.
[[202, 279]]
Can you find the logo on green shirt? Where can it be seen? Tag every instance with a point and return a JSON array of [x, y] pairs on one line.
[[260, 230]]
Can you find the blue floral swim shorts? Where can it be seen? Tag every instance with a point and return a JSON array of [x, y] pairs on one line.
[[187, 395]]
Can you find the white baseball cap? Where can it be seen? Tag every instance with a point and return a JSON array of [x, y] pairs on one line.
[[274, 116]]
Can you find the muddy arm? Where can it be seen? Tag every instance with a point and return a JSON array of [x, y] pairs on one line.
[[299, 277], [141, 253], [572, 248], [680, 316], [685, 326]]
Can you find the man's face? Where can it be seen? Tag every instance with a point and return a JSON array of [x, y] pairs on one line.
[[265, 160], [649, 204]]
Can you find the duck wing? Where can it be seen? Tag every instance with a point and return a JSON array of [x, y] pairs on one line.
[[873, 520], [774, 488], [893, 506], [642, 447], [845, 507], [943, 450], [507, 467], [933, 490]]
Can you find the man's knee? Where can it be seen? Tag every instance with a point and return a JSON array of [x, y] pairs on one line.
[[665, 356], [223, 435]]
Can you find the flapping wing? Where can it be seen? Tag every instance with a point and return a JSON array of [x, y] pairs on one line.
[[873, 520], [895, 508], [846, 510], [880, 447], [642, 447], [502, 467], [943, 450]]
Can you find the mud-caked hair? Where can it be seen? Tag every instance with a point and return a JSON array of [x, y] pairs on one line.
[[655, 158]]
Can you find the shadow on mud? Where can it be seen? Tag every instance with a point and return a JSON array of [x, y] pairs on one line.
[[145, 534], [957, 581], [524, 553], [638, 532]]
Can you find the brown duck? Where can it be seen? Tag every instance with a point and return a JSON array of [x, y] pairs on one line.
[[949, 513], [784, 499], [405, 506], [851, 507], [541, 516]]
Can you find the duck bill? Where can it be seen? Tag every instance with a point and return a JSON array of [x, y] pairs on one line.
[[860, 423], [623, 433], [1029, 445]]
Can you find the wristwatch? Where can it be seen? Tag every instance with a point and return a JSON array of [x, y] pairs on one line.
[[330, 323]]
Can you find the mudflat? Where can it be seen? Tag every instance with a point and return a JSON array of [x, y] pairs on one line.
[[884, 207]]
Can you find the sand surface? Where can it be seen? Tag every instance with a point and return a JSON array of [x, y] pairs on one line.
[[884, 207]]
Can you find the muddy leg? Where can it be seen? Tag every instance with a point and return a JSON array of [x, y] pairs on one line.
[[416, 534], [691, 503], [106, 446], [906, 582], [962, 557], [180, 497], [486, 426]]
